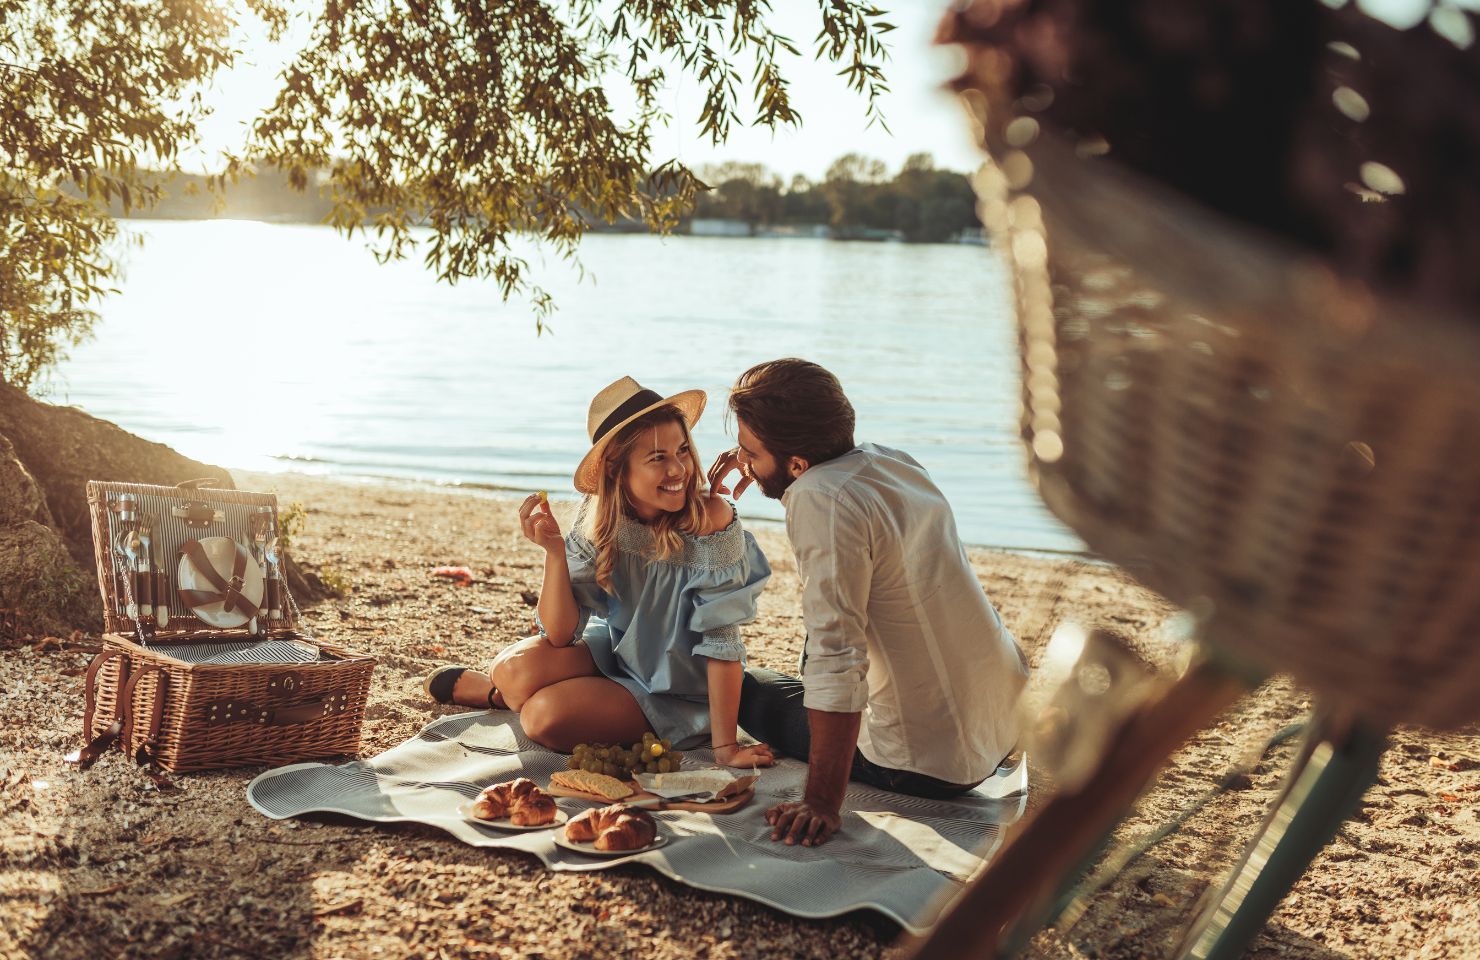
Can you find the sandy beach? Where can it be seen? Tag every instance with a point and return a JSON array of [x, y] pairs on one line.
[[99, 863]]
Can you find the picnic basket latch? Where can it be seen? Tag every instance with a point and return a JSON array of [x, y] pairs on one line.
[[224, 712]]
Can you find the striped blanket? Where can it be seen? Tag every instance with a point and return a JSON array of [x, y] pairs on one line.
[[898, 855]]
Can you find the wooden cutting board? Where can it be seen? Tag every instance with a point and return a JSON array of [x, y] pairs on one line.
[[727, 805]]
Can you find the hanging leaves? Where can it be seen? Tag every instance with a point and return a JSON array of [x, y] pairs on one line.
[[440, 128]]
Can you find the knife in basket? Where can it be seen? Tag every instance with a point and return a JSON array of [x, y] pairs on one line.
[[144, 581], [161, 586]]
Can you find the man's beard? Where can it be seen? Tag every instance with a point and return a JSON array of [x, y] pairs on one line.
[[774, 485]]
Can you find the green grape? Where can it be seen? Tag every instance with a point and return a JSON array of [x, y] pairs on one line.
[[651, 766], [666, 745], [665, 765], [675, 758], [574, 763]]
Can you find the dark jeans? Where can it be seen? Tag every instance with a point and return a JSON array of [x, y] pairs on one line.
[[771, 711]]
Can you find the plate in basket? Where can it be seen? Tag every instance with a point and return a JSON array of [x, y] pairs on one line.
[[467, 813], [589, 847], [222, 553]]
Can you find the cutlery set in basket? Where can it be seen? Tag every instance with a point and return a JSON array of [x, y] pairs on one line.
[[204, 663]]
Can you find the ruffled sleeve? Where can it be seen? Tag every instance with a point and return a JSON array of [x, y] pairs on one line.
[[580, 556], [725, 597]]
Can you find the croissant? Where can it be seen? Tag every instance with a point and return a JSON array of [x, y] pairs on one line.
[[617, 827], [509, 798], [490, 808], [511, 790], [532, 810]]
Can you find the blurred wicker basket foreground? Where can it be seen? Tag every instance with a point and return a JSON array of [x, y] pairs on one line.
[[1291, 457]]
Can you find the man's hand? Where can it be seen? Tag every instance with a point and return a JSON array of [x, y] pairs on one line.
[[724, 465], [802, 823]]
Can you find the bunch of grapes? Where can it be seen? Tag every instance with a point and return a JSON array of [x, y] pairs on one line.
[[652, 755]]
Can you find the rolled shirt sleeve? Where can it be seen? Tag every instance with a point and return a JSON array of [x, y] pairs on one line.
[[831, 541], [580, 557], [726, 597]]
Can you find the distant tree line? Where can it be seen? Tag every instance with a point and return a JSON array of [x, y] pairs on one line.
[[923, 203]]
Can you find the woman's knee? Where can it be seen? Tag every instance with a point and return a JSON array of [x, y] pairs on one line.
[[547, 720], [514, 675]]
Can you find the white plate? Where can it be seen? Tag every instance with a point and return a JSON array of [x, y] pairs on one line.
[[221, 551], [589, 847], [467, 811]]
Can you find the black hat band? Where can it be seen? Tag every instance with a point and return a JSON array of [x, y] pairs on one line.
[[636, 403]]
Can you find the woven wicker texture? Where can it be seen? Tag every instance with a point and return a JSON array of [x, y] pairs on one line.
[[220, 714], [1290, 456]]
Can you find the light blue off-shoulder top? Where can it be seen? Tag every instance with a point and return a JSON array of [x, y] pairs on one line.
[[665, 619]]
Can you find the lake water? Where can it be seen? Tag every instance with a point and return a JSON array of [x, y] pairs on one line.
[[286, 347]]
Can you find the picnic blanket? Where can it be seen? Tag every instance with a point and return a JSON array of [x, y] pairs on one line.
[[899, 855]]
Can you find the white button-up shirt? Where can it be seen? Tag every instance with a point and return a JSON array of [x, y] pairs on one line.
[[898, 626]]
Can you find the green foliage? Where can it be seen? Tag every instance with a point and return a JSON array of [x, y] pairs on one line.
[[86, 88], [290, 523], [335, 580], [477, 121], [483, 124], [923, 204]]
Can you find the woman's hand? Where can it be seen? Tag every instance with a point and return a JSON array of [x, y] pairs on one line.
[[538, 524], [745, 757]]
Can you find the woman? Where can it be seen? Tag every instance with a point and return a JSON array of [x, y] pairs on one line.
[[640, 609]]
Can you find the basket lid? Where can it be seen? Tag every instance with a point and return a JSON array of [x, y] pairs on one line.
[[173, 562]]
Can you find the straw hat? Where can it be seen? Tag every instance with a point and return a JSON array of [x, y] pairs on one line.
[[617, 405]]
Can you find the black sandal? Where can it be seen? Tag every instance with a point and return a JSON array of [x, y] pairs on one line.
[[440, 683]]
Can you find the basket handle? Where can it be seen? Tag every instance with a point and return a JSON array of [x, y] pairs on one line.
[[145, 750], [198, 484], [86, 755]]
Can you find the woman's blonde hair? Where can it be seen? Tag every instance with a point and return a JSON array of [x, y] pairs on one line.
[[610, 503]]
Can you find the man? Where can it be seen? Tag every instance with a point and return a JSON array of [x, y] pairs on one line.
[[909, 679]]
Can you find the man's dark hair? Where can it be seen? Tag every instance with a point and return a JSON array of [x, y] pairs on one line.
[[795, 408]]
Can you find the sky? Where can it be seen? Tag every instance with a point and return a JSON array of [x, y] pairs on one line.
[[920, 115]]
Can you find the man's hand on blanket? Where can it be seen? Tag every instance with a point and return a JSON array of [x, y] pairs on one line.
[[745, 757], [802, 823]]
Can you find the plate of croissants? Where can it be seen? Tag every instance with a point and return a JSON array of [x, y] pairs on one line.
[[611, 832], [514, 805]]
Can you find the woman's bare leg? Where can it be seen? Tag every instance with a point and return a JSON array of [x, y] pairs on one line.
[[521, 669], [582, 710]]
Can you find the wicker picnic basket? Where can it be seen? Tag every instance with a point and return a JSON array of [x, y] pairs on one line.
[[184, 694], [1290, 455]]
